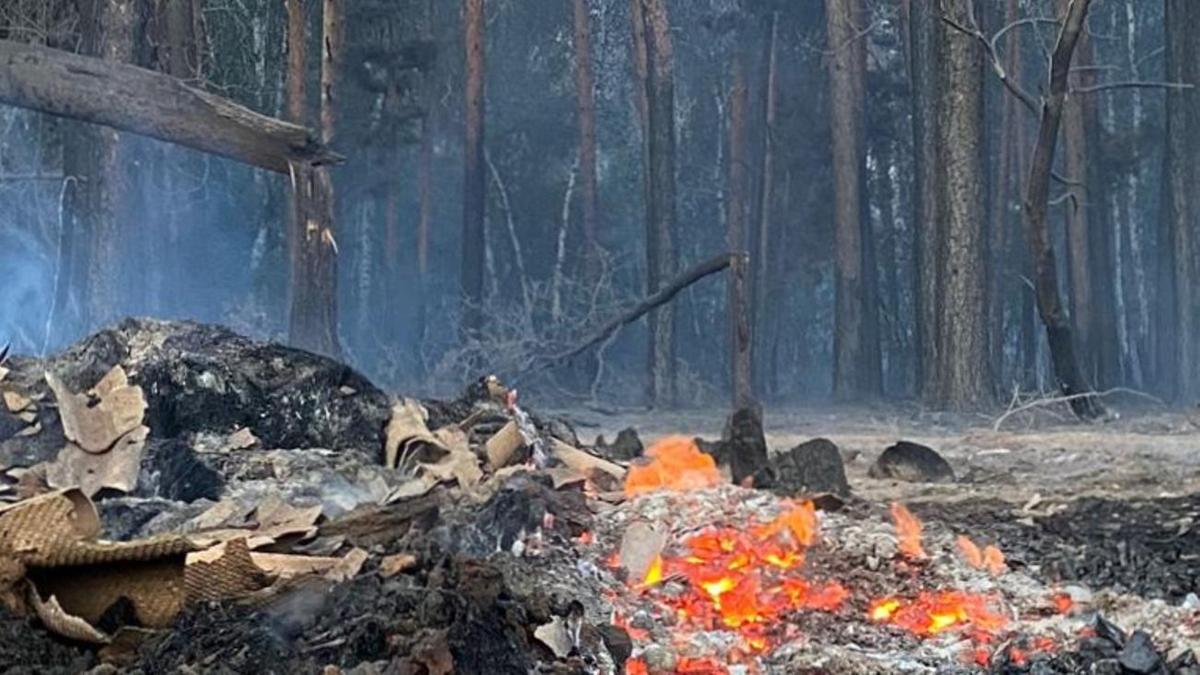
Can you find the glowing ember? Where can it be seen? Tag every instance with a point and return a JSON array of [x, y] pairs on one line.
[[1063, 604], [654, 574], [676, 464], [969, 551], [746, 579], [993, 561], [908, 532], [934, 613]]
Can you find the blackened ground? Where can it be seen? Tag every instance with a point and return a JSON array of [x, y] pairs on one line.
[[26, 649], [459, 608], [1147, 547]]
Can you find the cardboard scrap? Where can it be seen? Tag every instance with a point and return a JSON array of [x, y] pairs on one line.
[[641, 544], [119, 410], [30, 431], [503, 445], [153, 588], [584, 462], [348, 566], [224, 571], [116, 469], [241, 439], [407, 431], [15, 401], [59, 621], [556, 637], [396, 563], [277, 518]]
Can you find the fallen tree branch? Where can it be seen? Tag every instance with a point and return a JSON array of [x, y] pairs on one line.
[[148, 103], [1132, 84], [1040, 402], [651, 302]]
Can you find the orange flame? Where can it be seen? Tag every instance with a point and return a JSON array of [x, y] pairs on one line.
[[908, 532], [990, 558], [675, 464]]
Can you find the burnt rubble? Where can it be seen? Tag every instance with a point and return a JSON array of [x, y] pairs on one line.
[[457, 565]]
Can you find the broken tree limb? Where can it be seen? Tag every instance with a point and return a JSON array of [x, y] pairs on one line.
[[151, 104], [657, 299]]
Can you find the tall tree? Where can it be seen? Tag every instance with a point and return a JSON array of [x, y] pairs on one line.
[[313, 322], [737, 207], [963, 375], [1070, 376], [660, 206], [474, 183], [107, 237], [769, 251], [1179, 285], [856, 366], [585, 96], [924, 58], [1078, 223]]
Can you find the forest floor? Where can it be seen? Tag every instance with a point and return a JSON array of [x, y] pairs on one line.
[[1142, 453]]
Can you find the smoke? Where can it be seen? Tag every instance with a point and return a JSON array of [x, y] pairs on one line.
[[26, 289]]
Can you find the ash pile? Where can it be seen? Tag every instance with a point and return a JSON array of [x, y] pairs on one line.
[[177, 498]]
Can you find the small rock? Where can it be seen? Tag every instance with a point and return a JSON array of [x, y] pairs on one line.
[[811, 467], [1139, 654], [659, 659], [1192, 602], [626, 446], [913, 463]]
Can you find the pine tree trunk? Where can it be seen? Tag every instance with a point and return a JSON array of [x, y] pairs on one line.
[[585, 95], [108, 237], [1179, 295], [853, 364], [660, 211], [474, 178], [766, 236], [962, 335], [738, 209], [926, 33], [1077, 215]]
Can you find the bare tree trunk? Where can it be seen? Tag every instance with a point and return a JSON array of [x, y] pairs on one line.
[[852, 366], [585, 93], [1179, 347], [735, 233], [1003, 192], [660, 211], [1070, 377], [962, 335], [474, 178], [925, 53], [765, 236], [108, 236], [1077, 208], [313, 323]]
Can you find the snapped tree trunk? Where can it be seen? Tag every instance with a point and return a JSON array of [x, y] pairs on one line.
[[585, 94], [313, 322], [855, 363], [735, 234], [1070, 377], [1179, 314], [963, 375], [140, 101], [474, 183], [660, 208], [925, 54]]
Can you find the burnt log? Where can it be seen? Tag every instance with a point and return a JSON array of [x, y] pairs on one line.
[[151, 104], [913, 463], [811, 468]]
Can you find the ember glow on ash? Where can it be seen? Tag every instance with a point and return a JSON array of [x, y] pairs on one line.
[[675, 464], [744, 579], [753, 580]]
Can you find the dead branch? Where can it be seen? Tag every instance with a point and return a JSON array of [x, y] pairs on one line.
[[1070, 398], [1132, 84], [659, 298], [151, 104]]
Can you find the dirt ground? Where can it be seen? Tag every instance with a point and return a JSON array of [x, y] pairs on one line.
[[1143, 452]]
